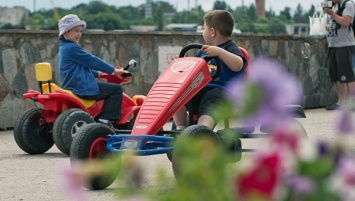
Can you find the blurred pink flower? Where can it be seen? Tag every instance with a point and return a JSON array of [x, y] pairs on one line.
[[262, 179], [72, 181], [261, 99], [283, 137]]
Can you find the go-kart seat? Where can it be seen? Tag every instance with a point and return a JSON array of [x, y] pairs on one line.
[[44, 74], [247, 57]]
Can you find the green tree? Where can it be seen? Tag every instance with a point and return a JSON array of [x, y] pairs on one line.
[[285, 14], [105, 21], [276, 26], [10, 26], [251, 12], [298, 16], [219, 5]]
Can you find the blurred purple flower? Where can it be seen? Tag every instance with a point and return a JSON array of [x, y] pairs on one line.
[[300, 184], [261, 99], [323, 148], [344, 122], [343, 180], [346, 167]]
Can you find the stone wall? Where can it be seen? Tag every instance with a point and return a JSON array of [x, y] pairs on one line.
[[21, 50]]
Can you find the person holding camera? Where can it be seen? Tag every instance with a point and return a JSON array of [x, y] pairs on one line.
[[341, 43]]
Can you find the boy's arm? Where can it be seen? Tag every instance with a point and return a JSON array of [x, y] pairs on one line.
[[234, 62]]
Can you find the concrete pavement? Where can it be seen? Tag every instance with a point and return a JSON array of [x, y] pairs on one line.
[[37, 177]]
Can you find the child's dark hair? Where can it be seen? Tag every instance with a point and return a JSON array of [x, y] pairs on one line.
[[221, 20]]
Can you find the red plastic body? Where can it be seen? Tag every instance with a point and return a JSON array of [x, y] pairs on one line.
[[58, 101], [177, 84]]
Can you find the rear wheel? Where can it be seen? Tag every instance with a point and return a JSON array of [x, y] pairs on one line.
[[90, 146], [30, 136], [67, 125], [294, 124]]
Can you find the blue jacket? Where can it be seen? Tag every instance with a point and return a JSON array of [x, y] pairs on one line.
[[78, 69]]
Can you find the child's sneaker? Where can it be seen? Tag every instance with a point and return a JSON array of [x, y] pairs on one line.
[[106, 122]]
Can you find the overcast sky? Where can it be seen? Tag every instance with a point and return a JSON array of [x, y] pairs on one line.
[[276, 5]]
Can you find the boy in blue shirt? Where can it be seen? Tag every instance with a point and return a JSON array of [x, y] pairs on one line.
[[217, 32], [79, 69]]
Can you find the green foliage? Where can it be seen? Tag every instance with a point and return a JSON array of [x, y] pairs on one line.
[[285, 14], [219, 5], [99, 15], [104, 21], [276, 26]]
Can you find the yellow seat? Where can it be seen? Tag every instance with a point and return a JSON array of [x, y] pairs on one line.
[[44, 74]]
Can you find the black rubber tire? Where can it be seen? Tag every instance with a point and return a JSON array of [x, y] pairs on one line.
[[299, 127], [80, 152], [198, 132], [67, 125], [31, 137]]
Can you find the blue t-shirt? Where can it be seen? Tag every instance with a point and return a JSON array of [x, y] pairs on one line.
[[226, 73], [78, 69]]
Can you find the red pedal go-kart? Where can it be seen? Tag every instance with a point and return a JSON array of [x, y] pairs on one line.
[[61, 113], [177, 84]]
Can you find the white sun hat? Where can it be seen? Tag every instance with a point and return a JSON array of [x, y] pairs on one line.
[[68, 22]]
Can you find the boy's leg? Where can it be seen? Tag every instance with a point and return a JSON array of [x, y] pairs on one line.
[[211, 97], [206, 120], [180, 119]]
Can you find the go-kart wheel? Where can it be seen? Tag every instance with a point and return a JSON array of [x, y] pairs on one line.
[[196, 143], [207, 59], [67, 125], [294, 124], [90, 146], [30, 136]]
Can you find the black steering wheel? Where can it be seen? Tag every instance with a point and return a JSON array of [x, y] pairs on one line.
[[207, 59]]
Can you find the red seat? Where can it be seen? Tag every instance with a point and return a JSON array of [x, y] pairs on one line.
[[247, 56]]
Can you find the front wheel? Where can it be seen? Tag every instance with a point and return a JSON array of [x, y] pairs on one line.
[[199, 145], [90, 146], [31, 136]]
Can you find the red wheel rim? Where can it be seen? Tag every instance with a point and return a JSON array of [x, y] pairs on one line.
[[98, 148]]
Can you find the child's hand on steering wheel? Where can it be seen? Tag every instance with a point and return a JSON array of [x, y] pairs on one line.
[[120, 73], [211, 51]]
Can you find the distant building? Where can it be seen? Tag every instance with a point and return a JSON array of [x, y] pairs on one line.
[[143, 28], [297, 29], [148, 9], [13, 16], [181, 27]]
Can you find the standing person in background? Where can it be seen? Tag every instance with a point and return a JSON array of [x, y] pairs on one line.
[[341, 44], [79, 69]]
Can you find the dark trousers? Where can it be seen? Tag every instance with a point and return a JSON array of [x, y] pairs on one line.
[[112, 94]]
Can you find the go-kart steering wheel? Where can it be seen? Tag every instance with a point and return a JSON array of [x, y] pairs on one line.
[[207, 59]]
